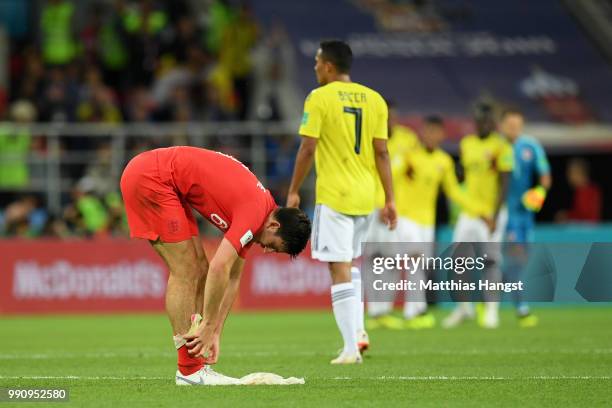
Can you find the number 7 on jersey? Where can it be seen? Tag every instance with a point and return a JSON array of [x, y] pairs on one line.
[[358, 115]]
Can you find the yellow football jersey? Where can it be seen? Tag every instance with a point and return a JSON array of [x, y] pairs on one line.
[[424, 172], [346, 117], [482, 161], [401, 141]]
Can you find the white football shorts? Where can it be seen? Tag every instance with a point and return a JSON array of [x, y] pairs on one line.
[[337, 237]]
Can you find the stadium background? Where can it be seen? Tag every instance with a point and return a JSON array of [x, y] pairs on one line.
[[85, 85]]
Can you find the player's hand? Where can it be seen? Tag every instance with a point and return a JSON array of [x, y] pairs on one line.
[[293, 200], [533, 199], [204, 343], [388, 215], [491, 224]]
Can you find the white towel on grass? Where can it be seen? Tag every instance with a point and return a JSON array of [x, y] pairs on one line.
[[255, 379], [269, 379]]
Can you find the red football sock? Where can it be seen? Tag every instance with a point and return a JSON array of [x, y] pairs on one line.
[[188, 364]]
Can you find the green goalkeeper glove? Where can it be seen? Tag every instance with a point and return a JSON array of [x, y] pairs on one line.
[[533, 199]]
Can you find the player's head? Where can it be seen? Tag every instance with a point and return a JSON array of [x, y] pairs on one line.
[[578, 173], [433, 131], [334, 58], [511, 124], [286, 230], [484, 116]]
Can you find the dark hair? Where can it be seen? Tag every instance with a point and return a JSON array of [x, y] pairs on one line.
[[338, 53], [434, 120], [294, 229], [484, 111], [580, 163], [511, 111]]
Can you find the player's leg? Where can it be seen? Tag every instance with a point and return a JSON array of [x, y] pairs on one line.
[[344, 301], [490, 317], [415, 305], [361, 228], [518, 236], [332, 238], [185, 272], [181, 294], [379, 312], [526, 318], [468, 229]]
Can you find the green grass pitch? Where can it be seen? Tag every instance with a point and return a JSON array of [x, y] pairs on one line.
[[129, 361]]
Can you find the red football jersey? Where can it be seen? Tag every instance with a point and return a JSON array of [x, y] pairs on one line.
[[221, 189]]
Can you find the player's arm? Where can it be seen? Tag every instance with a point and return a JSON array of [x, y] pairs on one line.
[[205, 341], [533, 199], [504, 182], [303, 164], [217, 282], [505, 165], [453, 191], [383, 167], [310, 130], [230, 293], [383, 164]]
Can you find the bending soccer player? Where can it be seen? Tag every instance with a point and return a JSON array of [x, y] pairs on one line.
[[422, 171], [487, 160], [524, 200], [344, 131], [160, 187]]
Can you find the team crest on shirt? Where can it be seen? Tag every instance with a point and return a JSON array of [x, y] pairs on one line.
[[527, 154]]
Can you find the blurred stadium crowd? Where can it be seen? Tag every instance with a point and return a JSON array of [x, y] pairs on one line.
[[130, 61], [137, 61], [145, 61]]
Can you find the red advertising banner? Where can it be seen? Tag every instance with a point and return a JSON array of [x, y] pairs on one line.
[[123, 275], [274, 281]]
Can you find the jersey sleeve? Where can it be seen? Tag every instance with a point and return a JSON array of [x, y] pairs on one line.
[[455, 193], [243, 228], [312, 117], [381, 131], [505, 159], [542, 165]]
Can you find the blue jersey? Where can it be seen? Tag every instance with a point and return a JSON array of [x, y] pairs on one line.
[[530, 163]]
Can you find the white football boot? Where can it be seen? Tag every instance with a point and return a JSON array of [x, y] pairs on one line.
[[348, 358], [363, 341], [205, 376], [462, 312]]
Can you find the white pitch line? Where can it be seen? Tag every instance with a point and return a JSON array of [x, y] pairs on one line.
[[379, 378], [477, 378], [308, 353]]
